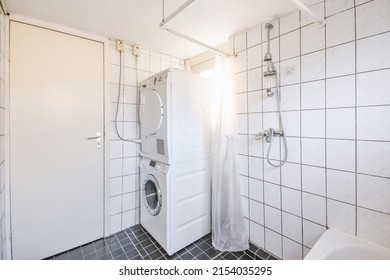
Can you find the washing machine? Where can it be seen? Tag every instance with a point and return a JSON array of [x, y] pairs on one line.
[[175, 202], [174, 116]]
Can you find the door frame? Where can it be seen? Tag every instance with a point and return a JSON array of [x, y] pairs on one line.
[[106, 115]]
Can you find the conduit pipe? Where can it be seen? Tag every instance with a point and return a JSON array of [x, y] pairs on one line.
[[165, 20]]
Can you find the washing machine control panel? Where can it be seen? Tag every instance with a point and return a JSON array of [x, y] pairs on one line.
[[157, 166]]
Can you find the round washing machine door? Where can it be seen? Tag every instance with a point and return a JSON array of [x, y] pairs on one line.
[[152, 195], [151, 112]]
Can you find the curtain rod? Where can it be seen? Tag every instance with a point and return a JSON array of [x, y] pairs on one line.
[[181, 35], [304, 8], [2, 6]]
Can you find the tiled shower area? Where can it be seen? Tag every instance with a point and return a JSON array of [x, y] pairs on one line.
[[335, 109], [335, 105]]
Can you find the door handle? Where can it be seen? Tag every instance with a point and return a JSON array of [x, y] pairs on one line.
[[97, 137]]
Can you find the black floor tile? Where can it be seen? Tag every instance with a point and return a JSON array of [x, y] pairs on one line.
[[135, 243]]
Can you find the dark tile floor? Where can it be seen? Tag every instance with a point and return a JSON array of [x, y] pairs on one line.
[[135, 243]]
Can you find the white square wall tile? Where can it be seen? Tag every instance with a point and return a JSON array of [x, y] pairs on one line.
[[340, 60], [311, 233], [254, 57], [240, 82], [240, 62], [372, 18], [255, 123], [255, 101], [313, 95], [293, 150], [129, 219], [254, 36], [313, 180], [340, 154], [373, 52], [255, 79], [273, 218], [373, 123], [242, 165], [313, 151], [290, 98], [272, 195], [240, 42], [271, 173], [340, 92], [130, 183], [273, 243], [340, 28], [256, 190], [292, 227], [256, 211], [373, 158], [116, 223], [115, 205], [256, 168], [373, 226], [116, 149], [313, 123], [255, 146], [336, 6], [242, 144], [291, 175], [242, 125], [290, 71], [313, 66], [291, 123], [341, 216], [312, 38], [373, 193], [373, 88], [291, 250], [290, 45], [115, 186], [289, 22], [291, 201], [257, 234], [115, 167], [340, 123], [314, 208], [129, 201], [341, 186]]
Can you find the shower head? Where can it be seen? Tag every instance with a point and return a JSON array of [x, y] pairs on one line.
[[268, 25]]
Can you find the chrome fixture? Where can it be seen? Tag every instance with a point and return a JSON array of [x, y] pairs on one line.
[[271, 70], [270, 75], [269, 134]]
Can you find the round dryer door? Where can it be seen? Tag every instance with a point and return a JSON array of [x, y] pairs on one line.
[[151, 112], [152, 195]]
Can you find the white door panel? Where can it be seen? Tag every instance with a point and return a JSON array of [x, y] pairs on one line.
[[56, 102]]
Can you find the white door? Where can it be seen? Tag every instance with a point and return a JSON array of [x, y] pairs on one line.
[[56, 173]]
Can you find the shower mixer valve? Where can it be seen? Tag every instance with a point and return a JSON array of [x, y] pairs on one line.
[[269, 134]]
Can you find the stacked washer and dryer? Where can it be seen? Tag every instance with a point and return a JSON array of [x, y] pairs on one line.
[[175, 184]]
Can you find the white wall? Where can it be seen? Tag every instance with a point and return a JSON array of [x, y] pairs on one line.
[[4, 219], [124, 171], [336, 112]]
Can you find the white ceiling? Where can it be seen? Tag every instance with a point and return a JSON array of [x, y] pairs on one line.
[[137, 21]]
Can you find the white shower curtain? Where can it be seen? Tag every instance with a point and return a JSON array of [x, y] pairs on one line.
[[228, 225]]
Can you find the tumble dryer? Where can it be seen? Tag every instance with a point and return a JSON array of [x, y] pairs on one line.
[[175, 202], [174, 116]]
